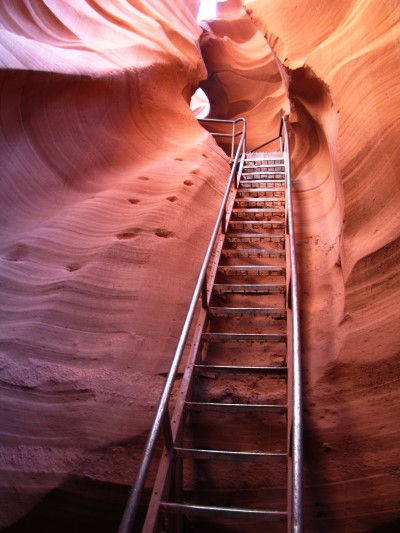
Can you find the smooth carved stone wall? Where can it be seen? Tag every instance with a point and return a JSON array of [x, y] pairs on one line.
[[244, 79], [109, 190]]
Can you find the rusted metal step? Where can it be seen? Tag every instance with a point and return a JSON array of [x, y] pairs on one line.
[[277, 312], [252, 270], [219, 336], [247, 174], [259, 210], [249, 288], [246, 225], [226, 455], [245, 237], [264, 190], [235, 407], [253, 252], [278, 224], [263, 164], [254, 183], [220, 512], [230, 369], [260, 202], [259, 199], [265, 156]]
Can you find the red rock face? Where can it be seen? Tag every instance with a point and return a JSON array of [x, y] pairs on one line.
[[244, 78], [109, 193]]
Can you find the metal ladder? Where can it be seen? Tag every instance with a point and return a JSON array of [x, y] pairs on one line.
[[228, 461]]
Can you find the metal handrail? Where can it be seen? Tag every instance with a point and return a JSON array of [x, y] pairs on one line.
[[296, 432], [233, 135], [161, 420]]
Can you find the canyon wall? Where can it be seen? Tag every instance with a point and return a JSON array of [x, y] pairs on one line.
[[109, 193]]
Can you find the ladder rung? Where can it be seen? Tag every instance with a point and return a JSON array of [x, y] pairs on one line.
[[256, 235], [225, 512], [248, 252], [235, 311], [259, 210], [238, 237], [279, 235], [235, 407], [247, 337], [225, 455], [229, 369], [260, 199], [266, 156], [262, 173], [252, 270], [262, 165], [266, 190], [258, 181], [263, 288], [267, 223]]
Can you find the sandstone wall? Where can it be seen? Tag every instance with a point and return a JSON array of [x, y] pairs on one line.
[[109, 190]]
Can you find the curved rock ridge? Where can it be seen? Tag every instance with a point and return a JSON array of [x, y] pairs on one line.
[[346, 159], [109, 191], [93, 37], [244, 79]]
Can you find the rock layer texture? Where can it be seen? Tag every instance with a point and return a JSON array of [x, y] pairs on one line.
[[109, 191]]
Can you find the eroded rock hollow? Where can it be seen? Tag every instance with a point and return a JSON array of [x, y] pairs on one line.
[[109, 192]]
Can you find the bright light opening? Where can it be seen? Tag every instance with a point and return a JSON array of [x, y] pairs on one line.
[[200, 104], [208, 10]]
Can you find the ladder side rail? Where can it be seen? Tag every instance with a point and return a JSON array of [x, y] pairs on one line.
[[296, 430], [133, 503]]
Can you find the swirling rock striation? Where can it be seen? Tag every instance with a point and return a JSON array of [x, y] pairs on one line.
[[109, 190], [244, 79]]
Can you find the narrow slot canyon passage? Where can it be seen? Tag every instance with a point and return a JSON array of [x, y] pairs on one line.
[[110, 190]]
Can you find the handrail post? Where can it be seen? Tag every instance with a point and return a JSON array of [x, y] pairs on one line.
[[233, 139]]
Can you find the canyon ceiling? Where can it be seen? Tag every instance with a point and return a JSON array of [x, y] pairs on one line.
[[109, 192]]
